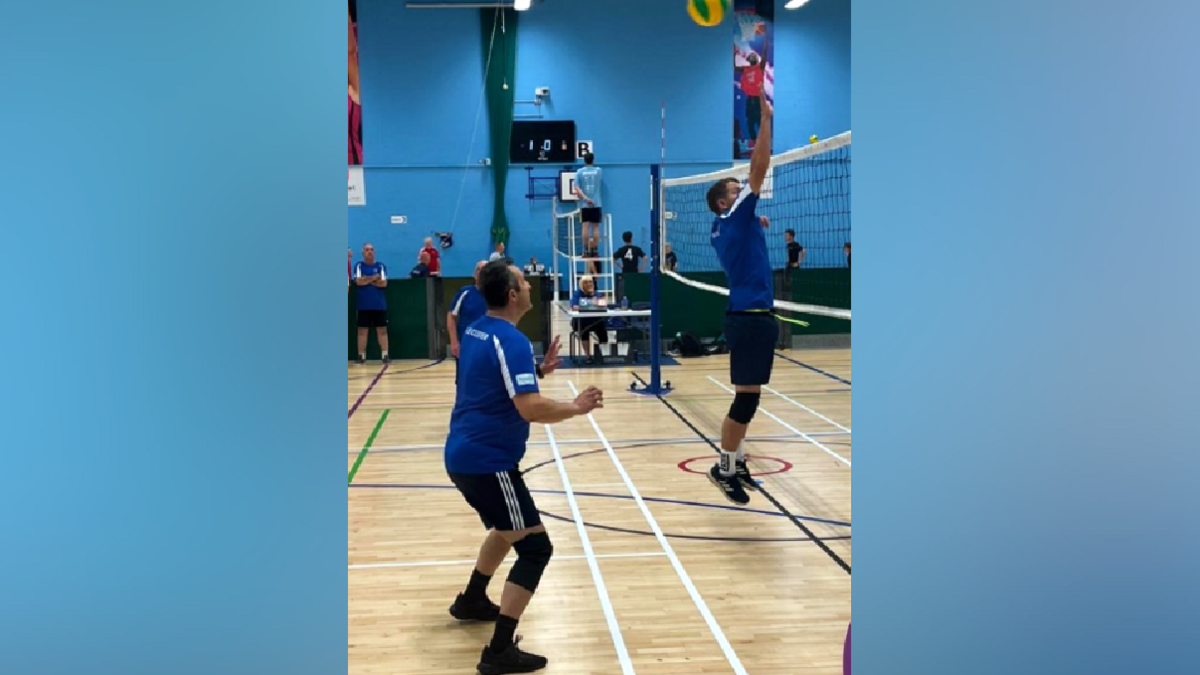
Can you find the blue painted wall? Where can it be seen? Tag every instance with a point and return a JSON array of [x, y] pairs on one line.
[[609, 64]]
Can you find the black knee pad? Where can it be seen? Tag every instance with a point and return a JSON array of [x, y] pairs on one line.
[[533, 554], [744, 406]]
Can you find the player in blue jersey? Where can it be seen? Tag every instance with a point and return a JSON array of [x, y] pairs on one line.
[[497, 399], [468, 305], [750, 327]]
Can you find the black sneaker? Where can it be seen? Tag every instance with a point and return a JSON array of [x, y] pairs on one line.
[[730, 486], [387, 360], [362, 361], [480, 609], [511, 660], [743, 475]]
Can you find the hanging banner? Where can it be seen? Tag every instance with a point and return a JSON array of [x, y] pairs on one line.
[[358, 194], [753, 69], [355, 121]]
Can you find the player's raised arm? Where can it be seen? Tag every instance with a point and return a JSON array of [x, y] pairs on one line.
[[760, 160]]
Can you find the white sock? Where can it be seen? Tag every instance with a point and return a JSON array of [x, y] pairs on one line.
[[385, 355], [362, 356], [727, 463], [741, 453]]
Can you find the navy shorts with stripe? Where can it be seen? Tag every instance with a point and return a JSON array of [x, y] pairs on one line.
[[751, 338], [501, 499]]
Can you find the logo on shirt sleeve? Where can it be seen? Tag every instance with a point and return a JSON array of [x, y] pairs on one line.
[[525, 379]]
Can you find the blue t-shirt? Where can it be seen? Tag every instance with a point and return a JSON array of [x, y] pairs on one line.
[[467, 307], [487, 433], [742, 248], [371, 297], [578, 299], [588, 179]]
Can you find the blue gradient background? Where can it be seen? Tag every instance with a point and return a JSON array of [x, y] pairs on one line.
[[174, 221], [1027, 340], [173, 496]]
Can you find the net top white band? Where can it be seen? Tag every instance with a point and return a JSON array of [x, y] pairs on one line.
[[788, 157]]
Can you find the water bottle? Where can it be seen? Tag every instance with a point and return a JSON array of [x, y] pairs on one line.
[[624, 303]]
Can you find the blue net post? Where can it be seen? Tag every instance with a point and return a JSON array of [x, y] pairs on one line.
[[655, 387]]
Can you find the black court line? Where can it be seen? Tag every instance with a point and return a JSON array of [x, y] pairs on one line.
[[761, 488], [413, 370], [814, 369]]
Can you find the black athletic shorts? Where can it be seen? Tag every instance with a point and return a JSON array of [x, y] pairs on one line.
[[590, 214], [501, 499], [751, 338], [372, 318]]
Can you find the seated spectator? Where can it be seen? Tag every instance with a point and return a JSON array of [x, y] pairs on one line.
[[585, 297], [534, 268]]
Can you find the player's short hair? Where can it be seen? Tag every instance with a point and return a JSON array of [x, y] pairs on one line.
[[627, 237], [588, 158], [847, 245], [716, 192], [790, 231], [495, 281]]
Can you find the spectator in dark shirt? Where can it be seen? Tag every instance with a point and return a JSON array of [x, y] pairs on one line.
[[795, 251], [422, 267], [846, 250], [671, 260], [629, 255]]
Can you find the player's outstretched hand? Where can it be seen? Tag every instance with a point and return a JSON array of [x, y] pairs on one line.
[[588, 400], [551, 362]]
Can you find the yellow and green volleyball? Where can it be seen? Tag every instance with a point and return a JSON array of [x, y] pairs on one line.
[[707, 12]]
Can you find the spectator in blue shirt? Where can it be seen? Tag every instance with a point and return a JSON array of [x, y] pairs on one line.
[[371, 277]]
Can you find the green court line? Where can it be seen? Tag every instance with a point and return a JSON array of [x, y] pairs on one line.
[[363, 453]]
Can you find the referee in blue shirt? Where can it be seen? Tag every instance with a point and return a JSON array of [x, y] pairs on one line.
[[468, 305], [497, 399], [750, 327]]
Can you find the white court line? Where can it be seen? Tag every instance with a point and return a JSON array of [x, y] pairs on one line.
[[713, 626], [801, 434], [648, 441], [601, 590], [789, 400], [439, 563]]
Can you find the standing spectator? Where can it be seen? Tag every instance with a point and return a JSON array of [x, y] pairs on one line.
[[371, 277], [846, 250], [795, 251], [631, 261], [498, 254], [421, 269], [435, 261], [671, 260]]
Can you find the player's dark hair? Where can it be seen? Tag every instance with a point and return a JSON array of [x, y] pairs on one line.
[[627, 237], [588, 158], [495, 281], [716, 192], [847, 245], [790, 231]]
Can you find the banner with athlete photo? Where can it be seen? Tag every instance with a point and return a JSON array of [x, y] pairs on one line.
[[358, 194], [355, 125], [753, 69]]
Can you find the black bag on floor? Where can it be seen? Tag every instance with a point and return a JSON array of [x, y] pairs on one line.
[[688, 346]]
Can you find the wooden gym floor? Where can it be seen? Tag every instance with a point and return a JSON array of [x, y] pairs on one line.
[[674, 581]]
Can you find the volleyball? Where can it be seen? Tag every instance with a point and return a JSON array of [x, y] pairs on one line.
[[707, 12]]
